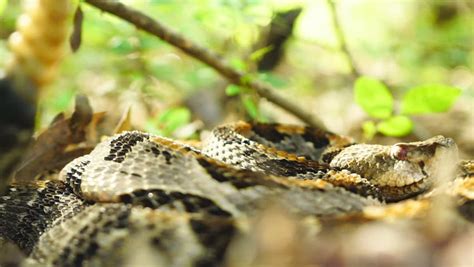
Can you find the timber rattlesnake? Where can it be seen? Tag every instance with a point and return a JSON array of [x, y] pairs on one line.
[[186, 203]]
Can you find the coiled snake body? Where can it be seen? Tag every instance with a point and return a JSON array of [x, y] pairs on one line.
[[186, 203]]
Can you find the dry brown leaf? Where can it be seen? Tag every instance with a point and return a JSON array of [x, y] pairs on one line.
[[76, 37], [93, 133], [48, 150], [124, 123]]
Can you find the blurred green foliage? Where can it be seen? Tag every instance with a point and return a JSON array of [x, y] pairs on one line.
[[398, 126], [429, 98], [400, 42], [169, 121], [374, 97], [3, 4], [377, 101]]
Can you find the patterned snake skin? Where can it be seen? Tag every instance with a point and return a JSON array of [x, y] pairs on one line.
[[186, 204]]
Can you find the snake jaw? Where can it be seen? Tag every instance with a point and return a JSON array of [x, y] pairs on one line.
[[425, 154], [430, 161], [442, 164]]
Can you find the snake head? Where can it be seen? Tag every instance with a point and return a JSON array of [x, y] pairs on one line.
[[423, 150], [402, 170], [435, 157]]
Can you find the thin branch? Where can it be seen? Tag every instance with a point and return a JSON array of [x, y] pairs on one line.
[[341, 39], [146, 23]]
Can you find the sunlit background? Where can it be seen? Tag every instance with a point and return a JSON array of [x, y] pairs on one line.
[[400, 42], [381, 71]]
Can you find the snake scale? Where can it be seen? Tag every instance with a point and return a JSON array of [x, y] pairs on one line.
[[186, 204]]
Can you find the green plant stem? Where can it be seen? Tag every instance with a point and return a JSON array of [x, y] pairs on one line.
[[341, 39]]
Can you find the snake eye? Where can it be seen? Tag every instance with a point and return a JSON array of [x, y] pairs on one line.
[[399, 152]]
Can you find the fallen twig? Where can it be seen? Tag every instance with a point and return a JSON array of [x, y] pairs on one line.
[[152, 26]]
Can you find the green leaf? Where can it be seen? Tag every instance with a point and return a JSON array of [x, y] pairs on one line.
[[369, 129], [247, 78], [374, 97], [233, 90], [429, 98], [121, 45], [238, 64], [62, 99], [250, 107], [173, 118], [258, 55], [395, 126], [274, 80]]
